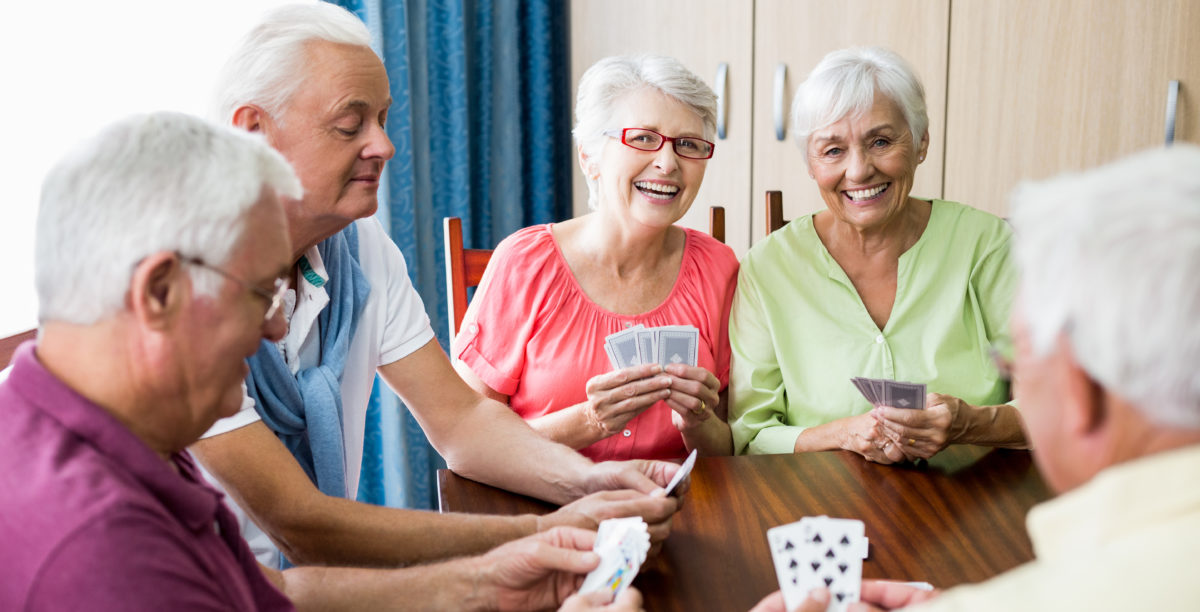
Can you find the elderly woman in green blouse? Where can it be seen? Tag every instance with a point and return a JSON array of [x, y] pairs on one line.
[[880, 284]]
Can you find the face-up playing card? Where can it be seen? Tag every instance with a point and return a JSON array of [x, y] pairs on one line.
[[677, 344], [622, 545], [683, 471], [819, 552]]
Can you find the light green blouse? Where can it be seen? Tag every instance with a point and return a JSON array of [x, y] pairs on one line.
[[799, 330]]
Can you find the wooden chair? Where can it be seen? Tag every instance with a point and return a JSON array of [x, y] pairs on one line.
[[775, 218], [464, 267], [9, 345]]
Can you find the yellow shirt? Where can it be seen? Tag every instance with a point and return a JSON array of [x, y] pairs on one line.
[[1127, 540]]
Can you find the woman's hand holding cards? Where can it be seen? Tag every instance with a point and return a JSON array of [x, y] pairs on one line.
[[614, 398], [922, 433]]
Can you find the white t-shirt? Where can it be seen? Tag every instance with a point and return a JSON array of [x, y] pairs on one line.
[[393, 325]]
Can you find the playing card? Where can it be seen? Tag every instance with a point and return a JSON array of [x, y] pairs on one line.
[[622, 545], [646, 342], [864, 387], [683, 471], [904, 395], [677, 344], [819, 552], [624, 346], [612, 359]]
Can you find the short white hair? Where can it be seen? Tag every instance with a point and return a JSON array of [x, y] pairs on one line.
[[844, 84], [268, 65], [1111, 259], [612, 78], [146, 184]]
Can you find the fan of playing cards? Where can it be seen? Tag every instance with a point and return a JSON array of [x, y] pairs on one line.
[[662, 345], [883, 392], [622, 545], [819, 551]]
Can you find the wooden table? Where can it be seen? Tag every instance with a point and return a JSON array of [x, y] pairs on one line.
[[958, 518]]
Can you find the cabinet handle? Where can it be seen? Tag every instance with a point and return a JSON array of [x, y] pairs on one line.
[[1172, 106], [780, 83], [722, 94]]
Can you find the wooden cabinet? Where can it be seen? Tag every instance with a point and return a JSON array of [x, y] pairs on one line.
[[1038, 88], [1014, 88]]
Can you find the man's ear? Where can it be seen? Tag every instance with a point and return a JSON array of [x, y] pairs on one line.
[[249, 118], [1085, 406], [157, 289]]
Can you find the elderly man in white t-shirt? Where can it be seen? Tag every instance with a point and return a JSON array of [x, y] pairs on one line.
[[307, 80]]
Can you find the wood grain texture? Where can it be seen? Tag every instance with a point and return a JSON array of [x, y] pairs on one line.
[[959, 518], [8, 345]]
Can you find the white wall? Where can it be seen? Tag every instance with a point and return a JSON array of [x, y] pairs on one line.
[[69, 67]]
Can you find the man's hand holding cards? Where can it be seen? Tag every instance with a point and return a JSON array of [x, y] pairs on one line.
[[622, 545]]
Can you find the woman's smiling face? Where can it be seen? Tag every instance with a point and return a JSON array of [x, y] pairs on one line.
[[864, 164]]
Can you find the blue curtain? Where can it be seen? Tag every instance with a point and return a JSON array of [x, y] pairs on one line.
[[481, 124]]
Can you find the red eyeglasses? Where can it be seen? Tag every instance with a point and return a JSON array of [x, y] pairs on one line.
[[643, 139]]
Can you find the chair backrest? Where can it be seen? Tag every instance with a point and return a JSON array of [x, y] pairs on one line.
[[9, 345], [464, 267], [775, 218]]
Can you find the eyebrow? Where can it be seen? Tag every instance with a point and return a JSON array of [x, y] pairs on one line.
[[871, 132], [360, 105]]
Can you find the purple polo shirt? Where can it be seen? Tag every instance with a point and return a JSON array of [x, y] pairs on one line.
[[92, 519]]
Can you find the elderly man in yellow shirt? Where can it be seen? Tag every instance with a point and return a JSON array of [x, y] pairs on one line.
[[1108, 372]]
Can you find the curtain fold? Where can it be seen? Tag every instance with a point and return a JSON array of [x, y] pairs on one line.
[[481, 123]]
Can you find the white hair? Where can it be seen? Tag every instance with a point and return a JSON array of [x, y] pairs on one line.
[[1111, 259], [268, 65], [611, 78], [146, 184], [844, 84]]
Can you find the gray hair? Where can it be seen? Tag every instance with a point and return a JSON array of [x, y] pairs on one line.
[[844, 84], [146, 184], [1111, 259], [268, 66], [611, 78]]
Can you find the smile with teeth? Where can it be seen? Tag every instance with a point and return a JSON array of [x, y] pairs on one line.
[[866, 194], [656, 191]]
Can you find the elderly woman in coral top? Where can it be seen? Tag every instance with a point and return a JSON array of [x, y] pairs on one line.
[[880, 284], [534, 333]]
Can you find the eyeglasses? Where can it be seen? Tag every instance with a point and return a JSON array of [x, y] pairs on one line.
[[273, 298], [643, 139]]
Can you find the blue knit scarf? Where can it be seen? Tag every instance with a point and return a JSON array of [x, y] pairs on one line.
[[305, 410]]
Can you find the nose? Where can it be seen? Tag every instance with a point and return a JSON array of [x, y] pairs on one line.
[[379, 145], [665, 159], [860, 166], [275, 327]]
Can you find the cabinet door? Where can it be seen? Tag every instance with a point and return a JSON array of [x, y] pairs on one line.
[[797, 34], [1038, 88], [702, 35]]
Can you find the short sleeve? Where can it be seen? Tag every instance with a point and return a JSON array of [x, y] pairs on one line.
[[506, 307], [994, 279], [406, 326], [245, 415], [758, 413]]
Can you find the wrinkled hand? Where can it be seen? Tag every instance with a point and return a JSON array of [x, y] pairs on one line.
[[614, 398], [889, 595], [864, 435], [630, 600], [817, 601], [587, 512], [695, 395], [922, 433], [539, 571], [644, 475]]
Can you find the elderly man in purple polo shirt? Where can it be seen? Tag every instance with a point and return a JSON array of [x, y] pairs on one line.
[[161, 257]]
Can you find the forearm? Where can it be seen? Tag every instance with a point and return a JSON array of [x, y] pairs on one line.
[[569, 426], [453, 585], [711, 437], [344, 532], [515, 457], [820, 438], [990, 426]]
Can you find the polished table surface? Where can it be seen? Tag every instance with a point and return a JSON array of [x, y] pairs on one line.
[[957, 518]]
